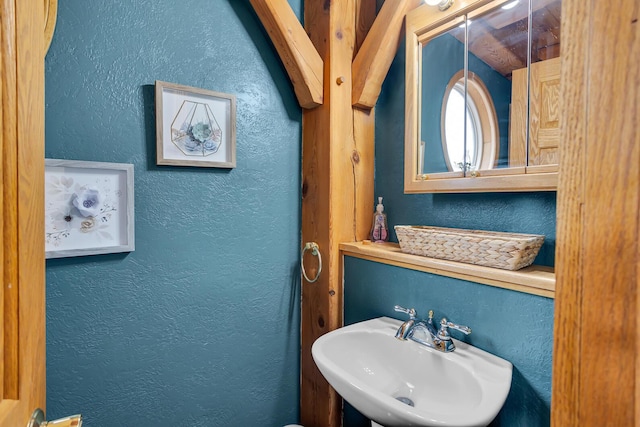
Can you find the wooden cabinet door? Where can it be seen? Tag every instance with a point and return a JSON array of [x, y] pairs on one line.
[[544, 115], [22, 295]]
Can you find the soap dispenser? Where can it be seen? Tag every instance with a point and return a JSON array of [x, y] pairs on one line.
[[379, 230]]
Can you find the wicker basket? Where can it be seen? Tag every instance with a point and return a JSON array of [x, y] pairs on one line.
[[509, 251]]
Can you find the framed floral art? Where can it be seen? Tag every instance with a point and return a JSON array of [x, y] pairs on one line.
[[89, 208], [195, 127]]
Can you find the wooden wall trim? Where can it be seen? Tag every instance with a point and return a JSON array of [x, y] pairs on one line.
[[22, 51], [596, 336], [566, 357], [301, 60], [10, 356], [371, 64], [30, 261]]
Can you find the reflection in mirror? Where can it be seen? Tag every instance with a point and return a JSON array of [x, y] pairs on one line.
[[482, 97], [442, 58], [544, 83], [460, 142], [497, 46], [534, 128], [478, 124], [498, 40]]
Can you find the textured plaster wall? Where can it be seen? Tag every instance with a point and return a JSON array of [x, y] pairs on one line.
[[512, 325], [200, 325]]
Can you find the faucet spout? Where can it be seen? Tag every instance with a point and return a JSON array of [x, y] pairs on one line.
[[403, 331], [424, 331]]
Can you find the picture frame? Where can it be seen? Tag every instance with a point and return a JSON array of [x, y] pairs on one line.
[[194, 127], [89, 208]]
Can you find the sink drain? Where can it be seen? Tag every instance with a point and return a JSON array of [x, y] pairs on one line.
[[405, 400]]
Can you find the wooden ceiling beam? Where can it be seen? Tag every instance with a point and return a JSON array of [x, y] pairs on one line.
[[374, 58], [298, 54]]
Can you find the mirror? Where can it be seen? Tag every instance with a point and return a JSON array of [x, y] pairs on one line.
[[482, 97]]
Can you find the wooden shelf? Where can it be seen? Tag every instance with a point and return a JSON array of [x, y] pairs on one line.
[[535, 279]]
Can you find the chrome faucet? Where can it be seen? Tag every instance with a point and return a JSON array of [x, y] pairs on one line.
[[424, 331], [406, 327]]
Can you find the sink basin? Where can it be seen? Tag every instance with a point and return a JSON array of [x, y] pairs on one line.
[[381, 377]]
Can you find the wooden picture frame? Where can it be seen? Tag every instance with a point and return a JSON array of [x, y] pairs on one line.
[[195, 127], [89, 208]]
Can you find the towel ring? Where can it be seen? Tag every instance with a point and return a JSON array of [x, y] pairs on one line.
[[315, 251]]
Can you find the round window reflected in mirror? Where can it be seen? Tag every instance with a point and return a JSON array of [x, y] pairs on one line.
[[469, 129], [462, 150]]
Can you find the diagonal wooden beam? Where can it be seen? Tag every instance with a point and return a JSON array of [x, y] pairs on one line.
[[374, 58], [301, 59]]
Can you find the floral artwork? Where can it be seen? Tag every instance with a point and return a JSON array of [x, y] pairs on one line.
[[195, 127], [84, 209]]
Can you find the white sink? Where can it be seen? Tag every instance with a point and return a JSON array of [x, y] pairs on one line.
[[371, 369]]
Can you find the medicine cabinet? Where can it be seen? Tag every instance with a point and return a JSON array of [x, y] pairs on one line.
[[482, 88]]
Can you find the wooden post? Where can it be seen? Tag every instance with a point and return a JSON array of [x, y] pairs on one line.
[[337, 153], [596, 363], [327, 197]]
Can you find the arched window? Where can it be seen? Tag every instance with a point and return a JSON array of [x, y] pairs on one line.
[[470, 135]]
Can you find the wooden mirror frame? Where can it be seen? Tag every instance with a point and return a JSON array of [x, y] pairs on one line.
[[422, 23]]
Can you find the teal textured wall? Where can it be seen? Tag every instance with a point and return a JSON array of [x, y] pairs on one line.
[[512, 325], [200, 325]]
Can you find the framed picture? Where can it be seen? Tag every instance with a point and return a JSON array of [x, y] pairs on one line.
[[195, 127], [88, 208]]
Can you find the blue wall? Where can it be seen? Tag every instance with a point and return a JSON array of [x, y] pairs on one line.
[[512, 325], [200, 325]]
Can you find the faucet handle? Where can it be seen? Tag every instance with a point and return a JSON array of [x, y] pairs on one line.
[[443, 333], [410, 311]]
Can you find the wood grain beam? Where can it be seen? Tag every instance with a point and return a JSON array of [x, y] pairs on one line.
[[9, 145], [327, 199], [365, 16], [374, 58], [298, 54], [337, 192], [595, 364]]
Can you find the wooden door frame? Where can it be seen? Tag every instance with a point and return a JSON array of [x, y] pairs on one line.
[[596, 336], [22, 297]]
